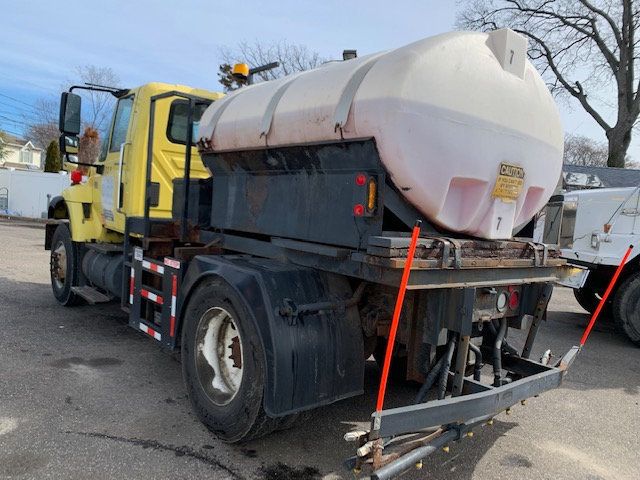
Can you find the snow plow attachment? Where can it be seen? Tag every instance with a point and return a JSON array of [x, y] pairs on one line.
[[401, 438]]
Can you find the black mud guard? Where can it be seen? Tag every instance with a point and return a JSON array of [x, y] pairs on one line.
[[57, 208], [312, 359]]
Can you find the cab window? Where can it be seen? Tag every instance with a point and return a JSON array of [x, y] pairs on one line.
[[121, 123], [177, 127]]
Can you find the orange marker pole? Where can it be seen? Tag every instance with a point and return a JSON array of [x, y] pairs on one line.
[[604, 298], [396, 315]]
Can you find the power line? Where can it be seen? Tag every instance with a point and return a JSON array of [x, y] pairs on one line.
[[22, 80], [16, 100], [11, 132], [16, 116], [12, 105], [17, 107], [11, 120], [28, 116]]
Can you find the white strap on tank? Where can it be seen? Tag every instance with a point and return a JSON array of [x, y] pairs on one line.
[[222, 106], [341, 113], [267, 118]]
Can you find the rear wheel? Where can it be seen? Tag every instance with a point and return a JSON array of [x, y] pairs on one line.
[[626, 308], [63, 266], [223, 364]]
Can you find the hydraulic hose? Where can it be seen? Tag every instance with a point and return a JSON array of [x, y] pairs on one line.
[[444, 374], [478, 364], [429, 380], [505, 345], [497, 353]]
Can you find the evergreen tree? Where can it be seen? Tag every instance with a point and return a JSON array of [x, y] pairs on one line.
[[53, 159], [3, 147]]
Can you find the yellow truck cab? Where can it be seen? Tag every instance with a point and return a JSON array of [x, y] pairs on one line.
[[114, 188]]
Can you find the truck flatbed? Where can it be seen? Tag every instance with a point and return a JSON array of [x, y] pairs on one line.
[[440, 262]]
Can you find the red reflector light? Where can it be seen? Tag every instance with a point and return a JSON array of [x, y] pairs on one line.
[[514, 300], [358, 210], [76, 177], [361, 179]]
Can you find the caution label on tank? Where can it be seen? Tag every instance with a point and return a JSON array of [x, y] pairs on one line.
[[509, 183]]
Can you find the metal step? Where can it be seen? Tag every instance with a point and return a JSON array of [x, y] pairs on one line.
[[91, 295], [106, 248]]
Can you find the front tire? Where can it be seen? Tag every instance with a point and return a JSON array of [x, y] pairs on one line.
[[587, 298], [63, 266], [590, 294], [626, 308], [223, 364]]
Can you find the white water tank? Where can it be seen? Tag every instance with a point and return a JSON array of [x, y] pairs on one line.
[[464, 125]]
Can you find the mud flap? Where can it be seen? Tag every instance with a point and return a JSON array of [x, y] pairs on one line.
[[313, 356]]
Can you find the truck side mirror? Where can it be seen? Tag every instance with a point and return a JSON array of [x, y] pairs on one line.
[[69, 121], [69, 144]]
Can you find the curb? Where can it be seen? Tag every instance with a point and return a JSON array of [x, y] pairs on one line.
[[23, 221]]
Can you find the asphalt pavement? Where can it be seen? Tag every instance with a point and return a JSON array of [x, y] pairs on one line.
[[83, 396]]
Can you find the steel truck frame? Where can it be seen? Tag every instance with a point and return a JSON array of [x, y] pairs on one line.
[[307, 244]]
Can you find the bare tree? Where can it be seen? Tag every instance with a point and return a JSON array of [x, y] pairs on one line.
[[582, 47], [97, 106], [42, 126], [581, 150], [291, 57], [226, 78], [100, 104]]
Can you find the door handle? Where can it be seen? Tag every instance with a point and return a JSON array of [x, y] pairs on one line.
[[120, 162], [630, 212]]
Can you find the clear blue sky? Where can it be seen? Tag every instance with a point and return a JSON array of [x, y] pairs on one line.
[[42, 41]]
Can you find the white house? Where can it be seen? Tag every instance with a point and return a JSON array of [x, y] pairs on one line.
[[21, 154]]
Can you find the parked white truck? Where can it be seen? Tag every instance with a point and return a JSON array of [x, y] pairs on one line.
[[594, 228]]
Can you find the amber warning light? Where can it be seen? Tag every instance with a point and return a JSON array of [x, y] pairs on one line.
[[369, 198]]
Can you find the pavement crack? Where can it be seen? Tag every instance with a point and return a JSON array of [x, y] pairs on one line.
[[179, 450]]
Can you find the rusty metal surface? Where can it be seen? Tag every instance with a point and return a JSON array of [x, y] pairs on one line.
[[422, 264], [430, 247], [375, 270]]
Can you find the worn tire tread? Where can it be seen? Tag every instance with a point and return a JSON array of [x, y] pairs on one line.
[[68, 299], [628, 291], [257, 423]]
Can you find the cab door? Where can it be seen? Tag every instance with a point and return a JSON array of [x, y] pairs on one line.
[[118, 156]]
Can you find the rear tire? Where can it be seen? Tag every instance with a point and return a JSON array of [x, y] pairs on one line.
[[626, 308], [226, 391], [63, 266]]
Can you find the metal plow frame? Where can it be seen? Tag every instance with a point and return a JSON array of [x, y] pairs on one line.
[[455, 416]]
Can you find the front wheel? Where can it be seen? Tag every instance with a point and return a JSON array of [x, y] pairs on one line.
[[626, 308], [223, 364], [63, 266], [589, 297]]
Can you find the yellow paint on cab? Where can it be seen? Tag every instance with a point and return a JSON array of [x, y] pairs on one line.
[[106, 222]]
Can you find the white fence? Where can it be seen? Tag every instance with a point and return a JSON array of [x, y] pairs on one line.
[[27, 193]]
